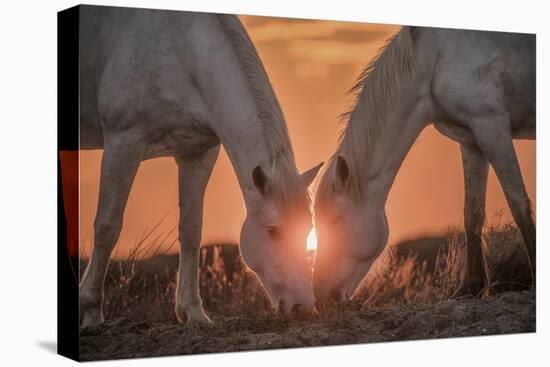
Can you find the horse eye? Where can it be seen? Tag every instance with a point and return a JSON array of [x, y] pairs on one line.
[[274, 232]]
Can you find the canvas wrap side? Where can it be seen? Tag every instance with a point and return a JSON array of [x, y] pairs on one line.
[[67, 143]]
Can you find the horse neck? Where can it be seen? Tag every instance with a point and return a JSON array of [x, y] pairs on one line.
[[384, 151], [251, 133]]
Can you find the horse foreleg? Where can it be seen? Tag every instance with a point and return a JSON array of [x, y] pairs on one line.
[[119, 165], [193, 178], [495, 140], [476, 168]]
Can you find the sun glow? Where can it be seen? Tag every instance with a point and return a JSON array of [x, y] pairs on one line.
[[312, 240]]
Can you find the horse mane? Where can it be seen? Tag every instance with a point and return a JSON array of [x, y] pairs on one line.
[[286, 182], [375, 92]]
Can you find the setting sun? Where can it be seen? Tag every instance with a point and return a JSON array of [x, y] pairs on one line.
[[312, 240]]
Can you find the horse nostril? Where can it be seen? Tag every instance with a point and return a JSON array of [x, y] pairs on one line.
[[319, 305], [335, 295], [297, 309], [281, 306]]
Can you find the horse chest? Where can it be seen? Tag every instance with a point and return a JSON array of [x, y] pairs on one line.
[[179, 143], [455, 132]]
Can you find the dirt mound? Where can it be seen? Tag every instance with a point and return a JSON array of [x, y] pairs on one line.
[[511, 312]]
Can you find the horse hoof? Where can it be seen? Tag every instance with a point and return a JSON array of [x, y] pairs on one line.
[[90, 309], [202, 321], [471, 289], [192, 315], [90, 317]]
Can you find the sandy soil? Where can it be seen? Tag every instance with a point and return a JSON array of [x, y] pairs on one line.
[[512, 312]]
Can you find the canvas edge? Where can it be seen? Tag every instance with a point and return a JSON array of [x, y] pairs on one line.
[[67, 140]]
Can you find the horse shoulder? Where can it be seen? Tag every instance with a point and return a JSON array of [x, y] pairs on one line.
[[479, 74], [140, 84]]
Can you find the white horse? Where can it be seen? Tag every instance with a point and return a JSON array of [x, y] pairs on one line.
[[477, 88], [161, 83]]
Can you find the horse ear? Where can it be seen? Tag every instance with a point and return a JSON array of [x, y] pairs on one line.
[[261, 180], [342, 172], [309, 175]]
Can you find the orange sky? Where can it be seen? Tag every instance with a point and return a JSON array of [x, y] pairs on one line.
[[311, 65]]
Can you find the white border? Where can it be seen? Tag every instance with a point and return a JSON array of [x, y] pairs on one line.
[[28, 191]]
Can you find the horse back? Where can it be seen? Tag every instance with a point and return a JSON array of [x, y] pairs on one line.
[[127, 57], [473, 72]]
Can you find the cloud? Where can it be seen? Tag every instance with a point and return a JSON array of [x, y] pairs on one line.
[[315, 47], [333, 52], [252, 21], [311, 70], [354, 35], [276, 29]]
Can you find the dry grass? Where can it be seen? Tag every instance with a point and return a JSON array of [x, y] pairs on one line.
[[404, 279], [144, 289]]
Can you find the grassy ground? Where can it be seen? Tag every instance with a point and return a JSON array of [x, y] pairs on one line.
[[509, 312], [406, 296]]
